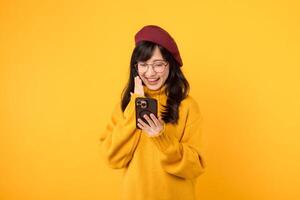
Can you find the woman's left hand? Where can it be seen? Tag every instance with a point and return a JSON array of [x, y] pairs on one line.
[[154, 127]]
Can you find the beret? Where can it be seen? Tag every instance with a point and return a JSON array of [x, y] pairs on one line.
[[159, 36]]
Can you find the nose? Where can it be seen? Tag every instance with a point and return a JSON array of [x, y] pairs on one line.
[[149, 71]]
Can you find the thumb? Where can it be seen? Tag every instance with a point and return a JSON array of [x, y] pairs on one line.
[[160, 119]]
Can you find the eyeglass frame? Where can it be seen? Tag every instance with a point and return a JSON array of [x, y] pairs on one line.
[[166, 63]]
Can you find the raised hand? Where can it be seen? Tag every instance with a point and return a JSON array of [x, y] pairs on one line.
[[138, 86]]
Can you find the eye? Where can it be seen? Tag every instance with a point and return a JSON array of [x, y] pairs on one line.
[[160, 64], [142, 64]]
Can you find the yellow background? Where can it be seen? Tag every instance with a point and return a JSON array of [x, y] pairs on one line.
[[63, 65]]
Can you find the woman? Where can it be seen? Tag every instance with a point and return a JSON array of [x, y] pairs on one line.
[[163, 158]]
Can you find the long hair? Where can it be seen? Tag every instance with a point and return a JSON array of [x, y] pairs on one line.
[[177, 86]]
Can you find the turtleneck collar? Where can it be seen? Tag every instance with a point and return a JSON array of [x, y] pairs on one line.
[[154, 93]]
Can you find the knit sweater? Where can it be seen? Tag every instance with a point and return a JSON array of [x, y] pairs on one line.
[[161, 167]]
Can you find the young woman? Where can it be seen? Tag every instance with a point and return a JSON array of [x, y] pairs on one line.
[[163, 158]]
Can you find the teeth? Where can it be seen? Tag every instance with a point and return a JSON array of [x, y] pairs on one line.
[[152, 79]]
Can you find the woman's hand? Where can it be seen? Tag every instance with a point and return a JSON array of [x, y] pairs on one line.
[[138, 86], [154, 127]]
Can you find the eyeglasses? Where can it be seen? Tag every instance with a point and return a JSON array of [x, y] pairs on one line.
[[158, 66]]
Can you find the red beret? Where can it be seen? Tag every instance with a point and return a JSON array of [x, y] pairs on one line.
[[159, 36]]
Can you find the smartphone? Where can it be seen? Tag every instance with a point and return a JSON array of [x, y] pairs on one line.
[[144, 105]]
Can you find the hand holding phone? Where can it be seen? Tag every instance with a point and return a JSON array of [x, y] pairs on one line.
[[145, 105]]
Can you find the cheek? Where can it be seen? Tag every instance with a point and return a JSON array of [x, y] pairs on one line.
[[164, 76], [143, 79]]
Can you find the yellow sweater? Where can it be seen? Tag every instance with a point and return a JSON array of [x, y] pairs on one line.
[[164, 167]]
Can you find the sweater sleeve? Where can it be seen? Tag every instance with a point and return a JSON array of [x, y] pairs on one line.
[[181, 158], [119, 139]]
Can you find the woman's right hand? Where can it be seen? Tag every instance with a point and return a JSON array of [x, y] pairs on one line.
[[138, 86]]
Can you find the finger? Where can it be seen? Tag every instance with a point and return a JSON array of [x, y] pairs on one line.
[[161, 120], [136, 84], [139, 81], [140, 125], [155, 120], [135, 80], [143, 123], [149, 121]]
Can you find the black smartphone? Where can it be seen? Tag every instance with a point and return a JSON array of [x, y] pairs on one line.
[[145, 105]]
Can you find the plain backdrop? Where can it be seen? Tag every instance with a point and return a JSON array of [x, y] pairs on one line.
[[63, 65]]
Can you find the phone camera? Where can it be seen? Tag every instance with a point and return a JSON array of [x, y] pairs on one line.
[[142, 103]]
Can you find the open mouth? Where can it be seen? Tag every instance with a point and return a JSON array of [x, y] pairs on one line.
[[152, 80]]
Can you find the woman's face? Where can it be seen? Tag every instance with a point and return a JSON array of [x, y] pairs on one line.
[[154, 80]]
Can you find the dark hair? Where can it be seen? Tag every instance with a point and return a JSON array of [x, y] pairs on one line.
[[177, 86]]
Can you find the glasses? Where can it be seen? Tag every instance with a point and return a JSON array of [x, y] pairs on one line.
[[158, 66]]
